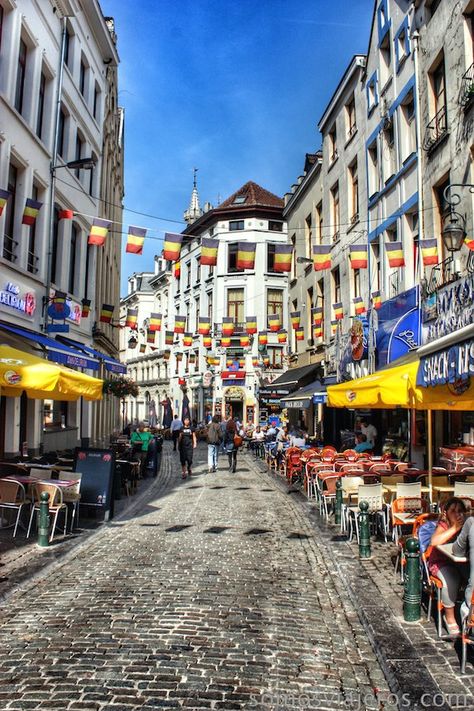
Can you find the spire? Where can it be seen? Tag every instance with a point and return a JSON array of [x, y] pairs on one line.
[[194, 210]]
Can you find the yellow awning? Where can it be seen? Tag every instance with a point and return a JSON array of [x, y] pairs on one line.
[[388, 388], [396, 387], [42, 379]]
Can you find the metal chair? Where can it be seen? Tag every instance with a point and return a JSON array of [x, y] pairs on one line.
[[56, 504], [12, 497]]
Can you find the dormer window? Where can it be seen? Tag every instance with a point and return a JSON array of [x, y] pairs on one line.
[[239, 200]]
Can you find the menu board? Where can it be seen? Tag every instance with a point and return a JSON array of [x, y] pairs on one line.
[[97, 467]]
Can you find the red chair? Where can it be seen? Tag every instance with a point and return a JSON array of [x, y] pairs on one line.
[[328, 454], [293, 464], [350, 455]]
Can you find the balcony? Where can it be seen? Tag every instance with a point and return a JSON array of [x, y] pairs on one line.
[[436, 130], [466, 94], [32, 262], [442, 274]]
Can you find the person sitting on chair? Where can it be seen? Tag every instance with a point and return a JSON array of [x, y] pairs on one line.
[[362, 445]]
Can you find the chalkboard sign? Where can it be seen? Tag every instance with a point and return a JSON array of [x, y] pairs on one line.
[[97, 468]]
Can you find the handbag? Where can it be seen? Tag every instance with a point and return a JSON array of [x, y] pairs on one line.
[[238, 440]]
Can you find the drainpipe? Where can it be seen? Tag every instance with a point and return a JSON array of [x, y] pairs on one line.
[[421, 228]]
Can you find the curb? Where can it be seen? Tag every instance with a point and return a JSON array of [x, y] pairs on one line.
[[407, 676]]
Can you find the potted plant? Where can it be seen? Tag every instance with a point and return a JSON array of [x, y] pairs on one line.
[[120, 387]]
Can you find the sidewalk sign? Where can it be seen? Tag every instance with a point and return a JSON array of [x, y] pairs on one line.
[[97, 467]]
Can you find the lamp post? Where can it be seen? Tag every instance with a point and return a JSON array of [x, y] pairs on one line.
[[454, 226]]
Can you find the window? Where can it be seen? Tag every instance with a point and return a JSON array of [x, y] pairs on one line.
[[188, 274], [96, 106], [41, 98], [320, 294], [332, 136], [92, 175], [432, 5], [353, 192], [372, 96], [235, 305], [1, 25], [335, 212], [437, 127], [356, 282], [275, 302], [72, 257], [389, 156], [88, 270], [198, 270], [32, 259], [319, 223], [438, 84], [407, 127], [373, 177], [336, 285], [309, 306], [236, 225], [239, 200], [275, 226], [308, 230], [441, 206], [82, 76], [9, 244], [54, 413], [232, 258], [270, 257], [20, 77], [78, 152], [351, 125], [375, 266], [402, 45], [209, 305], [54, 245], [275, 355], [385, 60], [62, 133], [197, 311], [293, 261]]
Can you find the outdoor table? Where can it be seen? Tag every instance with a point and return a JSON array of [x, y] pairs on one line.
[[392, 489], [28, 480], [447, 549]]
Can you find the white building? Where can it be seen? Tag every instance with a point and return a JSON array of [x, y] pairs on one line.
[[53, 254]]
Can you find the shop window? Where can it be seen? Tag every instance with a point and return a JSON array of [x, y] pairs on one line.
[[55, 414]]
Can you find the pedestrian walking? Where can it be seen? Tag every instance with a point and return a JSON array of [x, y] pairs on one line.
[[214, 438], [232, 441], [140, 440], [186, 444], [154, 450], [175, 428]]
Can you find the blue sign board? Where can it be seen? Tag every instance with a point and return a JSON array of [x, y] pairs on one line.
[[399, 327], [449, 366], [320, 398]]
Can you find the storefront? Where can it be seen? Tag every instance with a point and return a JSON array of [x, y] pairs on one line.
[[271, 396], [305, 408]]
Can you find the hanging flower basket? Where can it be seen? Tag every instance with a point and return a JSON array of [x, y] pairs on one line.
[[120, 387]]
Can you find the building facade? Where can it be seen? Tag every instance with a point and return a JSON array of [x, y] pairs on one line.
[[54, 84]]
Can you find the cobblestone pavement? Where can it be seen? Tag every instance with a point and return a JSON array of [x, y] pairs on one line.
[[214, 594]]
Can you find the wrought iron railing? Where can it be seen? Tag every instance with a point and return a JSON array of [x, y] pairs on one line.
[[436, 129], [394, 283], [466, 94], [443, 273], [9, 248], [32, 261]]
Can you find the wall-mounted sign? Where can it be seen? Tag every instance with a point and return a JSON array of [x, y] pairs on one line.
[[450, 366], [14, 296], [454, 309]]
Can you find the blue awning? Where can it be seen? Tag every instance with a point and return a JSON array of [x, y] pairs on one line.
[[112, 365], [57, 352]]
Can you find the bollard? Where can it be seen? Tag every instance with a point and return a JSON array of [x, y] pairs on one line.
[[364, 531], [43, 520], [337, 510], [412, 581]]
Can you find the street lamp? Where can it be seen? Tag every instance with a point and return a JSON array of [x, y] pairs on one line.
[[304, 260], [454, 227], [132, 342]]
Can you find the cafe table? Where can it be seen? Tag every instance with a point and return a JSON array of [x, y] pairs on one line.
[[447, 549]]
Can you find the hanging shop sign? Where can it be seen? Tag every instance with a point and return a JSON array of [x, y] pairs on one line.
[[15, 297], [399, 327], [451, 366], [449, 309], [73, 309]]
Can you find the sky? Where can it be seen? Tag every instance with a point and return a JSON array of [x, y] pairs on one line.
[[233, 88]]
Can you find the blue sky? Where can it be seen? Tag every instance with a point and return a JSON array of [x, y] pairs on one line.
[[234, 88]]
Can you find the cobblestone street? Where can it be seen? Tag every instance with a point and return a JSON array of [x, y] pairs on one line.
[[216, 594]]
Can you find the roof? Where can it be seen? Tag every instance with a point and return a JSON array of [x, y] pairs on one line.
[[308, 391], [254, 195]]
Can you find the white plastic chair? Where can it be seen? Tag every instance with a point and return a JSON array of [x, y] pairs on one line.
[[373, 494]]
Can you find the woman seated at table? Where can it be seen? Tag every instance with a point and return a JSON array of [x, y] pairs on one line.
[[297, 439], [362, 445], [450, 574]]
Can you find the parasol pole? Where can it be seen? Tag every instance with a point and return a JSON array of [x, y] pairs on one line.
[[429, 417]]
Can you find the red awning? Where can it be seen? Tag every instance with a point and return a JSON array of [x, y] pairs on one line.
[[233, 375]]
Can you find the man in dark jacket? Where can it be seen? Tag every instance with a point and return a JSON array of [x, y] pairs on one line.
[[214, 438]]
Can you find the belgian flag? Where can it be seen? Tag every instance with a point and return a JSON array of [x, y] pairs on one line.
[[395, 254], [246, 255], [338, 311], [376, 300], [86, 307], [172, 246], [262, 338], [282, 259], [98, 232], [209, 249], [334, 327], [321, 257], [299, 334], [187, 339], [65, 214], [295, 319], [30, 213], [177, 269], [227, 326], [179, 324], [225, 342], [4, 195], [135, 239], [317, 331], [359, 306], [274, 322], [204, 325], [255, 362], [150, 336], [317, 315], [469, 242], [244, 341], [142, 347], [282, 336], [131, 320], [155, 322], [207, 342], [358, 256], [106, 313], [251, 325], [169, 338], [429, 251]]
